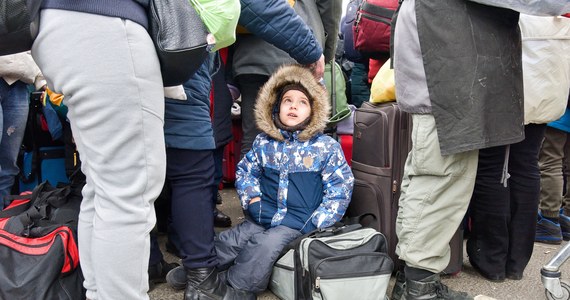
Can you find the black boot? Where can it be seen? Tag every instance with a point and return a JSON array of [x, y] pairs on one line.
[[157, 272], [399, 285], [218, 197], [431, 288], [196, 278], [176, 278], [221, 219], [215, 287]]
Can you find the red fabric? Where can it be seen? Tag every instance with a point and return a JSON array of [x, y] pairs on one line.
[[224, 55], [372, 27], [373, 67], [41, 245], [18, 202], [14, 204], [346, 145], [44, 123], [232, 153], [212, 102]]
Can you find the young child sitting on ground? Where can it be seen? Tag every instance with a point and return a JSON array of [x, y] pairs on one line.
[[294, 179]]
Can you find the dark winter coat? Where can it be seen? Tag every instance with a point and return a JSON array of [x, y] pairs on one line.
[[280, 36], [471, 54], [187, 123]]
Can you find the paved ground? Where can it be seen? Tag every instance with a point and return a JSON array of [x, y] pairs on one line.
[[529, 288]]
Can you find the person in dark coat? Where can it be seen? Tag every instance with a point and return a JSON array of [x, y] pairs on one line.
[[256, 58]]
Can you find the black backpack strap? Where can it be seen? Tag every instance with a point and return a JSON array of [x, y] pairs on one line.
[[337, 230]]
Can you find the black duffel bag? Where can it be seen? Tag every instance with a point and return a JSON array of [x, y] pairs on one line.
[[38, 247]]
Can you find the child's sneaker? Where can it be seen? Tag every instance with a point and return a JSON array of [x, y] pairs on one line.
[[547, 231], [565, 225]]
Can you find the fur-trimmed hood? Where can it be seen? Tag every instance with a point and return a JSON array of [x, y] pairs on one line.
[[267, 97]]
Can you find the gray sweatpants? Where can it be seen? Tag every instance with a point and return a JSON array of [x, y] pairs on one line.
[[250, 252], [108, 71]]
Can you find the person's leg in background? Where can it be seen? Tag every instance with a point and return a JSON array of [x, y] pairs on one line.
[[117, 122], [249, 86], [552, 183], [489, 210], [502, 216], [191, 176], [565, 210], [219, 174], [220, 219], [157, 266], [13, 115], [525, 192]]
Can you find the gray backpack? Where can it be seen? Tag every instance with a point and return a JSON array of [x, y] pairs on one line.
[[336, 263]]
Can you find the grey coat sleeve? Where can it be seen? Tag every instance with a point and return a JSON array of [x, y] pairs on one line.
[[330, 11]]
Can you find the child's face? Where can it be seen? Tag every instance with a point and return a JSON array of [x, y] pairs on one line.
[[295, 108]]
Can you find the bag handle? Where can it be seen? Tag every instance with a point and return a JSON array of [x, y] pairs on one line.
[[44, 199], [347, 224]]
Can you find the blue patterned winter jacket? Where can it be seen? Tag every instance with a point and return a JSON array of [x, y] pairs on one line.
[[302, 177]]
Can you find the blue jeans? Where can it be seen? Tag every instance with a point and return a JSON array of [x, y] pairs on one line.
[[13, 116]]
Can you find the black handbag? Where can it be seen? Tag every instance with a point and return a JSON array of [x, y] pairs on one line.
[[179, 36], [19, 21]]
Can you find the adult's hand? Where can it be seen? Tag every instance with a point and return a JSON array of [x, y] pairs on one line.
[[318, 67]]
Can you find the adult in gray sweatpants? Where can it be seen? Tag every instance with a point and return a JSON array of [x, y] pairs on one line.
[[100, 56]]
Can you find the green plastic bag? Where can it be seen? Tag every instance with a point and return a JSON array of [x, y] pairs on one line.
[[220, 17]]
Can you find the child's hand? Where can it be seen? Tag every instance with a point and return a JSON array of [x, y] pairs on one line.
[[253, 200]]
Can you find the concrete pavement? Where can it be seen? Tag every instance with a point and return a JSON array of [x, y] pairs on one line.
[[529, 288]]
